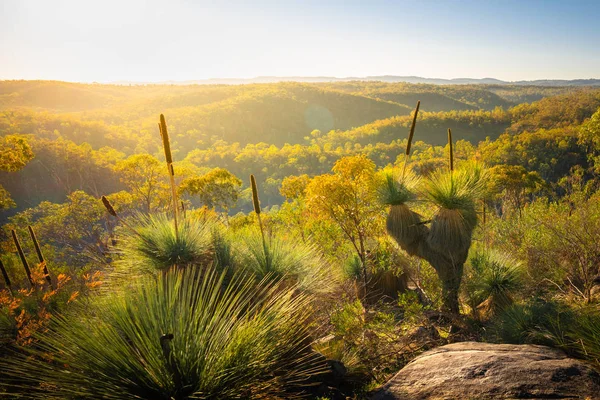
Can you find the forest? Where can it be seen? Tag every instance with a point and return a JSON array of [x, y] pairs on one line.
[[288, 240]]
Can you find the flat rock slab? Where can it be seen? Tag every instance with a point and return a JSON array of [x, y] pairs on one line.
[[472, 370]]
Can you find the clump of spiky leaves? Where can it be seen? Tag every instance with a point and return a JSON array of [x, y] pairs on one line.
[[156, 246], [284, 260], [353, 267], [493, 279], [455, 193], [397, 189], [223, 257], [587, 333], [538, 322], [179, 335], [551, 323]]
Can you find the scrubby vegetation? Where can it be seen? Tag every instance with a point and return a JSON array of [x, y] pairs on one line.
[[301, 240]]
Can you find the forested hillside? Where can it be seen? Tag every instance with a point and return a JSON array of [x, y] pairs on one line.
[[80, 133]]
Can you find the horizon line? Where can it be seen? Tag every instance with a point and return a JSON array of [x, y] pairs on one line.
[[316, 78]]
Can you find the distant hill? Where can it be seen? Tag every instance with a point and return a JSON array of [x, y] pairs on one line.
[[380, 78]]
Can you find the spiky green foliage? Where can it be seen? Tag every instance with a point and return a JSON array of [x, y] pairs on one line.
[[552, 323], [352, 267], [155, 246], [538, 322], [493, 280], [398, 187], [456, 190], [222, 246], [588, 334], [455, 193], [284, 259], [235, 340]]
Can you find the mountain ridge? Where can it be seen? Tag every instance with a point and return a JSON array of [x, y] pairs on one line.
[[376, 78]]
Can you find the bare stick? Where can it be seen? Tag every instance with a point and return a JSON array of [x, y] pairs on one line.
[[6, 278], [22, 256], [38, 250]]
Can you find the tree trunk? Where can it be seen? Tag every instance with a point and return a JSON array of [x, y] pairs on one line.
[[363, 260], [448, 265], [451, 277]]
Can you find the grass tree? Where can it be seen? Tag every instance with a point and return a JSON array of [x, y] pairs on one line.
[[180, 335], [444, 239], [283, 259], [493, 280]]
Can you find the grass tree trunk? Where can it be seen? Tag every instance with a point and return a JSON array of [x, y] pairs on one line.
[[450, 275], [405, 226]]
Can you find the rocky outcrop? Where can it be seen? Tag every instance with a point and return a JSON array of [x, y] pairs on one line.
[[471, 370]]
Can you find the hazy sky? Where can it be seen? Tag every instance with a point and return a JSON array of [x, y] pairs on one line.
[[106, 40]]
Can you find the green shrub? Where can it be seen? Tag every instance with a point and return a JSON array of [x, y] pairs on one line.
[[349, 320], [413, 309], [178, 335]]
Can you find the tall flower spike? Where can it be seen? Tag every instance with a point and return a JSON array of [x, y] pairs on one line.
[[451, 150], [256, 203], [109, 206], [410, 138], [165, 137], [255, 195], [164, 133], [412, 128]]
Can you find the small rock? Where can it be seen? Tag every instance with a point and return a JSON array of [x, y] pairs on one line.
[[423, 334]]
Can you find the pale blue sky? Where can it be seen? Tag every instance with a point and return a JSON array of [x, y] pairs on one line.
[[135, 40]]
